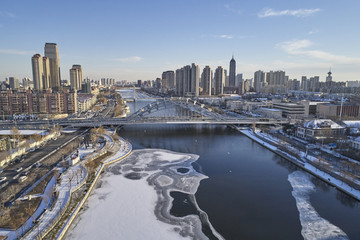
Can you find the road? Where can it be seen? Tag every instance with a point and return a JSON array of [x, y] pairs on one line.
[[33, 157]]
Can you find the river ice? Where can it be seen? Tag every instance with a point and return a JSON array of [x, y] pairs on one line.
[[132, 200], [314, 227]]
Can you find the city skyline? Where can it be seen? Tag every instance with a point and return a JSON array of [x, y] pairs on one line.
[[140, 40]]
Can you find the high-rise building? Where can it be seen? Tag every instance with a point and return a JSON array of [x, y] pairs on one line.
[[179, 82], [239, 78], [314, 84], [304, 83], [219, 80], [259, 80], [206, 77], [27, 83], [46, 73], [52, 53], [195, 79], [232, 72], [168, 78], [276, 82], [14, 83], [38, 71], [187, 79], [76, 77]]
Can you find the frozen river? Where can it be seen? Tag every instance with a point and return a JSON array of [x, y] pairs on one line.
[[244, 191]]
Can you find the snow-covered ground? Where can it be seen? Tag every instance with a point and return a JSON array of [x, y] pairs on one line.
[[314, 227], [70, 180], [22, 132], [133, 200]]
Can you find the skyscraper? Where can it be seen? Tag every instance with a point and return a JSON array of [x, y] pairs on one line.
[[187, 79], [46, 73], [259, 80], [38, 71], [232, 72], [219, 80], [195, 79], [179, 82], [76, 77], [52, 53], [206, 77]]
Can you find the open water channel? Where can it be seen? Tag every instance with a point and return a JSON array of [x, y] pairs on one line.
[[249, 192]]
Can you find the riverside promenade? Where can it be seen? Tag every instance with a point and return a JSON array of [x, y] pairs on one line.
[[304, 161], [70, 181]]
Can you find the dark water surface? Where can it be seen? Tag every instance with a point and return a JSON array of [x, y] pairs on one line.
[[247, 194]]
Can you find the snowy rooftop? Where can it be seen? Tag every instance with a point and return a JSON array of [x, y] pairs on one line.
[[352, 124], [322, 123]]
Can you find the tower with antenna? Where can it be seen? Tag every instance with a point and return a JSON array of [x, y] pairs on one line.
[[329, 77]]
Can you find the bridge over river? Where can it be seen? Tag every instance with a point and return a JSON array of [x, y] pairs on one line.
[[160, 111]]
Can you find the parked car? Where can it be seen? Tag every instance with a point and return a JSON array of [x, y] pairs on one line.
[[18, 169], [3, 179]]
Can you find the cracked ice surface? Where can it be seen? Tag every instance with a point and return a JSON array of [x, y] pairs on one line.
[[132, 200], [313, 225]]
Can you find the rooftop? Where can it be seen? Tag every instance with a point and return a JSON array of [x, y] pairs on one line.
[[322, 123]]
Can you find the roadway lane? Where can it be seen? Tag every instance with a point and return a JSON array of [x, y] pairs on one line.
[[33, 157]]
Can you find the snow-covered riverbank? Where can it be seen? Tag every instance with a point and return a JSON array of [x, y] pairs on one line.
[[132, 200], [307, 167]]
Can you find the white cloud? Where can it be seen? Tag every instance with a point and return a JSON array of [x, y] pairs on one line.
[[129, 59], [229, 8], [298, 47], [269, 12], [225, 36], [16, 52]]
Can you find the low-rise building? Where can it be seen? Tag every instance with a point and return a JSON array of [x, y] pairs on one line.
[[320, 128], [352, 127], [270, 112], [331, 110], [85, 101], [290, 110], [355, 143]]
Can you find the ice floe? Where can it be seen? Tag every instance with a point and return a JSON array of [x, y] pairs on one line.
[[313, 225]]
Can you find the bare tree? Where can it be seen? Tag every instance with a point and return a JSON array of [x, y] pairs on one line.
[[70, 176], [15, 134]]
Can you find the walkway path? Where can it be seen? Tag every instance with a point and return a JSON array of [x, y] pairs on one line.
[[70, 181]]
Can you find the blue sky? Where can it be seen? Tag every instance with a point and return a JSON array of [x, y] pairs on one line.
[[140, 39]]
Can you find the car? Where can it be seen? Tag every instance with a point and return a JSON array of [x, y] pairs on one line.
[[23, 178], [3, 179], [19, 169]]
